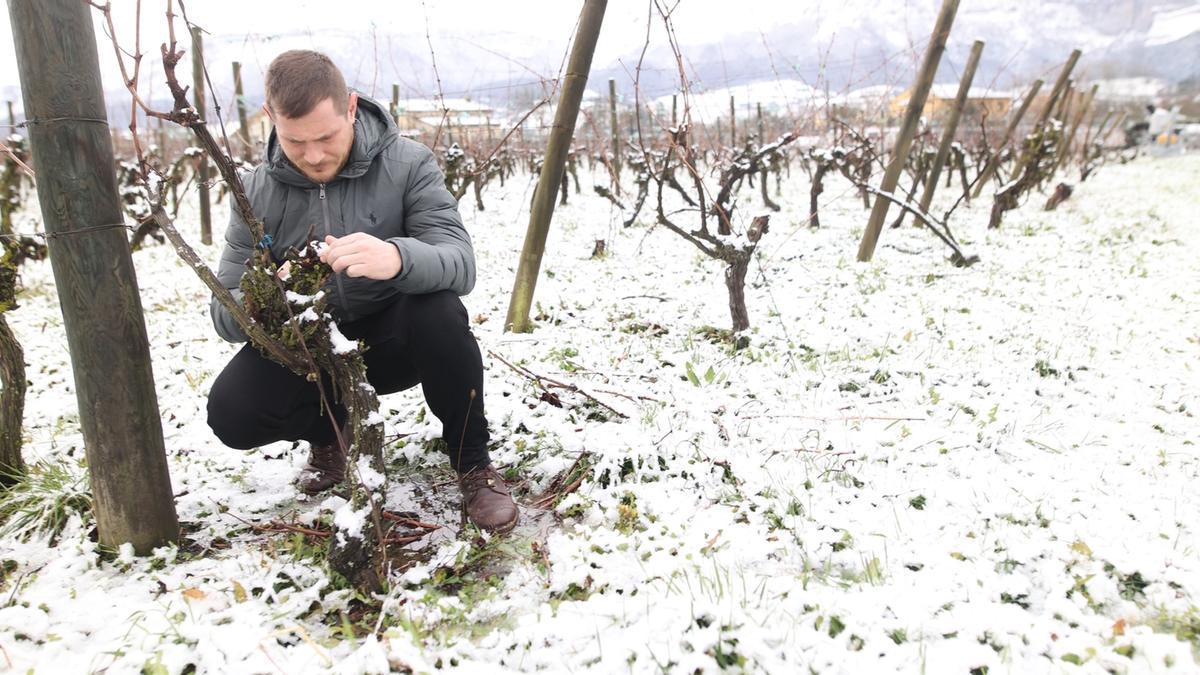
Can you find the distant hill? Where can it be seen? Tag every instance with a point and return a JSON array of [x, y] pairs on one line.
[[840, 46], [860, 43]]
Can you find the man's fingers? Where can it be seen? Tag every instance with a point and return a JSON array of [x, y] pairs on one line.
[[342, 262], [330, 243], [339, 250], [357, 268], [357, 255]]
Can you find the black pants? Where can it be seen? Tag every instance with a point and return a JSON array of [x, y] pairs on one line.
[[423, 339]]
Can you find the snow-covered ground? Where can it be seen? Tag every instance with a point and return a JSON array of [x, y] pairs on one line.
[[911, 467]]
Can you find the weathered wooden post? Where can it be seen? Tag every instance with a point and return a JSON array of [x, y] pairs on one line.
[[920, 91], [674, 110], [1092, 126], [762, 175], [1064, 101], [1029, 170], [732, 124], [396, 103], [12, 117], [160, 133], [1119, 123], [202, 175], [97, 287], [637, 122], [243, 130], [574, 82], [994, 160], [1084, 107], [1068, 104], [960, 102], [1060, 88], [616, 133]]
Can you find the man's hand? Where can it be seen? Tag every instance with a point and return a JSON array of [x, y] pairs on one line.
[[361, 255]]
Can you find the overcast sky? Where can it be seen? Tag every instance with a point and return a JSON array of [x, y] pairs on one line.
[[253, 31], [490, 45]]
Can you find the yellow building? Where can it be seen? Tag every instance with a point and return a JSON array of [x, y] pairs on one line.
[[941, 99], [460, 120]]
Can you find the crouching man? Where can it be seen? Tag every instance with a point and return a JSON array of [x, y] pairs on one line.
[[400, 257]]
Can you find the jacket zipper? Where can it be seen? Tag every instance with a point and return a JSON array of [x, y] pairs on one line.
[[337, 278]]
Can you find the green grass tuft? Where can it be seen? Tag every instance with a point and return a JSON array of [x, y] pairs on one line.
[[42, 500]]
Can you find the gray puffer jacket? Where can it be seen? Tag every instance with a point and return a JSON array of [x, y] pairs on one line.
[[391, 187]]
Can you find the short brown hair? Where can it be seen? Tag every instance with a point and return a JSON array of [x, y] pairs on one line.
[[299, 79]]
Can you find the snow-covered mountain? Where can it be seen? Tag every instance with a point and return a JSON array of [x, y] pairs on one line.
[[856, 43], [839, 45]]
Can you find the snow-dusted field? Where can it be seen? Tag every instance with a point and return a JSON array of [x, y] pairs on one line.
[[911, 467]]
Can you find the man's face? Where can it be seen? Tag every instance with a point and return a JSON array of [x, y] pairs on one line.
[[318, 143]]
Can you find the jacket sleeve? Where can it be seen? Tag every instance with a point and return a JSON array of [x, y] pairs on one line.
[[437, 254], [238, 249]]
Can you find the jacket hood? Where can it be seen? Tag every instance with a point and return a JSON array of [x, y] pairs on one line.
[[374, 131]]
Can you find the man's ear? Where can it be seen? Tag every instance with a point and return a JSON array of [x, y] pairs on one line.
[[352, 105], [267, 110]]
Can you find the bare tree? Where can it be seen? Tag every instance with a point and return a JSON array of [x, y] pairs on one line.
[[735, 250]]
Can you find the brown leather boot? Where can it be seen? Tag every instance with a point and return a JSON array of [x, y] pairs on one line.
[[326, 468], [489, 504]]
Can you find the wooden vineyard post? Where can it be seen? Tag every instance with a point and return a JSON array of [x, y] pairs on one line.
[[202, 175], [616, 134], [994, 160], [1092, 126], [160, 133], [920, 91], [1084, 107], [396, 103], [732, 125], [637, 123], [240, 98], [1064, 101], [574, 82], [1060, 87], [1036, 161], [960, 102], [97, 287]]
